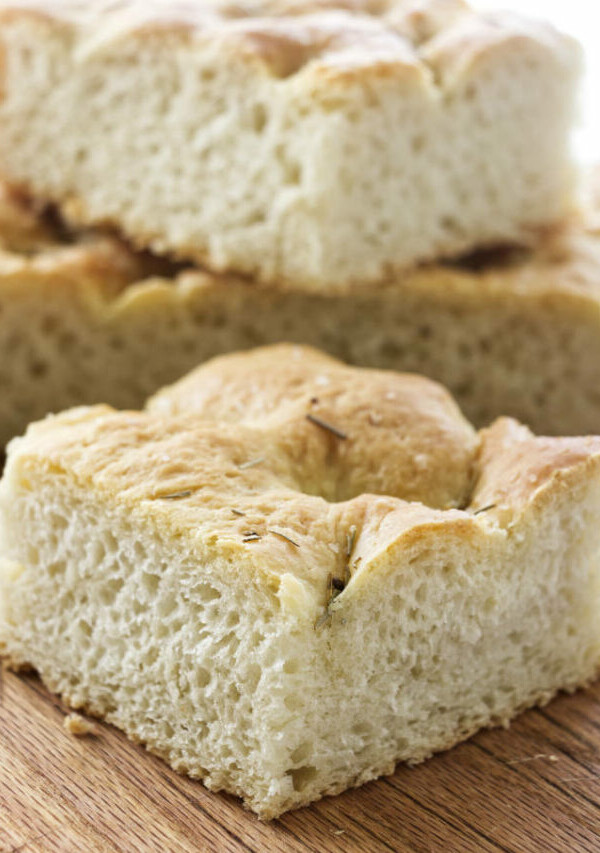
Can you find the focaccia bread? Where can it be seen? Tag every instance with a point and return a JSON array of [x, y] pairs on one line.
[[515, 333], [287, 574], [315, 143], [59, 342]]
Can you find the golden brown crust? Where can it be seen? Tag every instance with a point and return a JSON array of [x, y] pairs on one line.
[[336, 37], [515, 464], [281, 490], [346, 431], [218, 462], [230, 459], [78, 726]]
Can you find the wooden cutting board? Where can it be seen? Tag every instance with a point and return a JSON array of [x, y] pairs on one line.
[[532, 789]]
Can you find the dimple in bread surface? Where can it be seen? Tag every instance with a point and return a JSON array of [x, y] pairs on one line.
[[210, 576], [429, 42], [440, 460], [347, 431], [289, 440], [285, 36]]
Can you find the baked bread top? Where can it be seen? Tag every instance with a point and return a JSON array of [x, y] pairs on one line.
[[240, 459], [342, 431], [427, 43]]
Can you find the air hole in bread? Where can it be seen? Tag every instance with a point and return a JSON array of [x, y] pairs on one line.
[[259, 117], [301, 753], [206, 593], [58, 567], [302, 776], [150, 582], [110, 590]]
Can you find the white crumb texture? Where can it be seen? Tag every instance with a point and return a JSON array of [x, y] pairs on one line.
[[341, 164], [227, 677]]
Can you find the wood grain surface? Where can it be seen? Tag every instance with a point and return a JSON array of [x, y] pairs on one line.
[[532, 789]]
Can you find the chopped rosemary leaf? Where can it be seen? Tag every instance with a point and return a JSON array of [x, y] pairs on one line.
[[323, 618], [286, 538], [251, 536], [176, 496], [329, 588], [327, 427], [485, 509], [245, 465], [350, 541]]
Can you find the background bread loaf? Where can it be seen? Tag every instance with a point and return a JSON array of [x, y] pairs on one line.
[[318, 144], [85, 320]]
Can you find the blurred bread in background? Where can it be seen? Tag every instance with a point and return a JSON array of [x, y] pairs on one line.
[[317, 143], [83, 319]]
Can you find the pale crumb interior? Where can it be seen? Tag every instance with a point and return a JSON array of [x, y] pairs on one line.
[[204, 664], [192, 150]]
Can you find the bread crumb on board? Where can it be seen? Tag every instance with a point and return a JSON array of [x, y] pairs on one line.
[[78, 726]]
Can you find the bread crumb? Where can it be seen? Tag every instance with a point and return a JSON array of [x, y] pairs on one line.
[[78, 726], [536, 757]]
